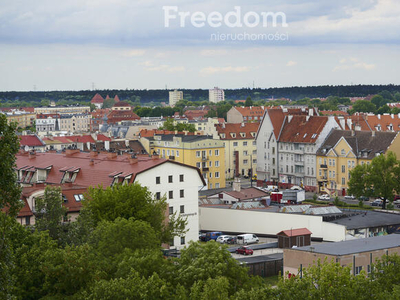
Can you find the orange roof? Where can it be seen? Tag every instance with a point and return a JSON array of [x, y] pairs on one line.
[[251, 111], [121, 115], [237, 131], [295, 232], [97, 99], [116, 99], [333, 113], [102, 171], [102, 137], [384, 122], [302, 129]]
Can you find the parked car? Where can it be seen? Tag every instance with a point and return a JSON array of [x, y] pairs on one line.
[[202, 237], [212, 235], [363, 198], [222, 239], [247, 238], [244, 250], [378, 202], [350, 197], [324, 197], [396, 202], [231, 240]]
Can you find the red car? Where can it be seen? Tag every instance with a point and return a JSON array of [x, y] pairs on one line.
[[244, 250]]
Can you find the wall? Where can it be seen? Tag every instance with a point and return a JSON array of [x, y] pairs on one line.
[[266, 223]]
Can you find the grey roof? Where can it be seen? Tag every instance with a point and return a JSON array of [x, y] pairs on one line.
[[354, 246], [369, 219], [310, 210], [361, 141], [261, 258], [248, 205]]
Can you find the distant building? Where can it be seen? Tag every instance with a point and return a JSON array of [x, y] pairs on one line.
[[62, 110], [97, 100], [216, 95], [22, 118], [245, 114], [174, 97]]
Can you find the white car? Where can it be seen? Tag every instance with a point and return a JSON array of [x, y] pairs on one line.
[[349, 197], [324, 197], [223, 239]]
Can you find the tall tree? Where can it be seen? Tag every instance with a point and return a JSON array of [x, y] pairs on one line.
[[248, 102], [380, 179], [10, 194]]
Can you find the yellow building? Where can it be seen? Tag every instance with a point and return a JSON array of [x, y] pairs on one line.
[[343, 150], [22, 118], [200, 151]]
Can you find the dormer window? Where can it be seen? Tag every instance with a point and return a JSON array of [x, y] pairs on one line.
[[378, 127], [343, 152], [223, 135], [233, 134]]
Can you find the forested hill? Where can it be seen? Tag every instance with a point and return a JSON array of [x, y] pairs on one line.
[[156, 96]]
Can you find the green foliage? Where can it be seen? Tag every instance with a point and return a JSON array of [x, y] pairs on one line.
[[380, 179], [133, 201], [172, 125], [50, 212], [248, 102], [108, 103], [364, 106]]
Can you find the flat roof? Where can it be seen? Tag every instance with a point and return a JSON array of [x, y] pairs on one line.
[[368, 220], [261, 258], [354, 246]]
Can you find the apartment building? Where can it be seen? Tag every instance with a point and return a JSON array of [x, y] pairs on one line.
[[174, 97], [199, 151], [240, 148], [75, 123], [245, 114], [22, 118], [343, 150], [216, 95], [62, 110]]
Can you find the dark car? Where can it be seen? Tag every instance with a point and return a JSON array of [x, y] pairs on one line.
[[231, 240], [244, 250], [202, 237], [363, 198]]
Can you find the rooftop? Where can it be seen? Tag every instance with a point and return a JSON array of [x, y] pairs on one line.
[[354, 246], [369, 219]]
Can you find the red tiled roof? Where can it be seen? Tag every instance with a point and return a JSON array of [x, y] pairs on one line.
[[121, 104], [295, 232], [28, 109], [31, 141], [97, 99], [116, 99], [116, 116], [107, 97], [102, 137], [91, 174], [45, 116], [302, 129], [195, 114], [383, 122], [252, 111], [57, 139], [237, 129], [82, 139], [333, 113]]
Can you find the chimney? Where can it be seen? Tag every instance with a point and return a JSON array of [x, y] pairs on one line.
[[32, 154], [379, 116], [133, 159], [307, 118], [236, 185], [342, 123], [91, 162], [242, 125], [311, 112], [111, 155]]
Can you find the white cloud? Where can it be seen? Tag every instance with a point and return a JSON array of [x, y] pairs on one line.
[[229, 69], [213, 52], [153, 67], [134, 52], [353, 63], [291, 63]]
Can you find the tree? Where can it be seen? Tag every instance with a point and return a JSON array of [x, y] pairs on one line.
[[108, 103], [133, 201], [10, 194], [248, 102], [380, 179], [50, 212], [364, 106]]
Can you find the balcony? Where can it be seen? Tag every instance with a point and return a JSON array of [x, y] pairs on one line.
[[323, 166], [204, 158], [299, 162], [205, 169]]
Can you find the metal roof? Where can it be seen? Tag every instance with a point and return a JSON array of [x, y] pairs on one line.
[[354, 246], [261, 258], [369, 219]]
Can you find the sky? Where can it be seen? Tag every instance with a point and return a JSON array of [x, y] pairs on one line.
[[149, 44]]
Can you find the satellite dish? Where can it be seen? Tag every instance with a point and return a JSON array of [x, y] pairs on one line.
[[26, 148]]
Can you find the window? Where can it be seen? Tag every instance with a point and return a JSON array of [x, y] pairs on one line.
[[245, 153], [216, 163], [171, 242], [235, 144], [182, 240], [78, 197], [358, 270], [177, 153], [254, 152], [343, 181], [216, 152], [216, 174], [158, 180], [198, 165], [182, 209], [343, 169], [197, 153], [343, 152], [210, 175], [182, 193], [244, 143], [254, 143], [170, 179], [171, 210], [217, 185], [210, 164], [171, 194], [210, 152], [27, 220], [333, 174], [333, 162], [245, 161], [181, 177]]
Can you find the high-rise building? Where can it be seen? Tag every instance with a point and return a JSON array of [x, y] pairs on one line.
[[216, 95], [174, 97]]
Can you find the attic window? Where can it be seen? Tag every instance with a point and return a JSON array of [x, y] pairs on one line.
[[78, 197], [343, 152], [314, 136], [233, 135], [304, 135], [223, 135], [242, 134]]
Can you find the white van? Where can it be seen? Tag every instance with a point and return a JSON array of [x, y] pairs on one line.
[[247, 238]]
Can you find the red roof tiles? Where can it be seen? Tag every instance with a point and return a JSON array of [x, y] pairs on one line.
[[295, 232], [31, 141], [302, 129], [97, 99], [237, 131]]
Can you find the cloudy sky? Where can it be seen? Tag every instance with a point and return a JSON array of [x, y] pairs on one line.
[[73, 44]]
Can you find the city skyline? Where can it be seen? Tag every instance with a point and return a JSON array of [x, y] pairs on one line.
[[121, 44]]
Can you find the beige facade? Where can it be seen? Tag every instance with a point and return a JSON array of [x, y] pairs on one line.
[[62, 110], [174, 97], [23, 119], [359, 254], [216, 95], [78, 123]]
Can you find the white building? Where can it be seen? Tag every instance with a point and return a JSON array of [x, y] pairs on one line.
[[216, 95], [174, 97]]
